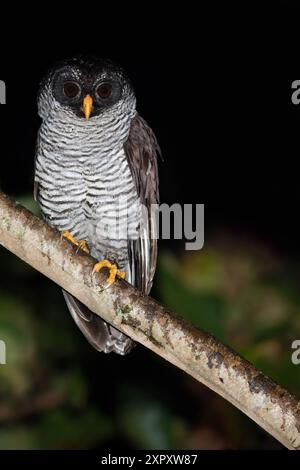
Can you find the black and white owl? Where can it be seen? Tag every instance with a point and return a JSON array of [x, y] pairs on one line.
[[95, 172]]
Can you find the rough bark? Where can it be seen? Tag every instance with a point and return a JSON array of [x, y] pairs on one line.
[[143, 319]]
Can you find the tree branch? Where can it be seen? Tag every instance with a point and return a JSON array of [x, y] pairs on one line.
[[197, 353]]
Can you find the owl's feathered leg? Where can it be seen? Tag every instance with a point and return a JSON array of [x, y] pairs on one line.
[[81, 244], [113, 271]]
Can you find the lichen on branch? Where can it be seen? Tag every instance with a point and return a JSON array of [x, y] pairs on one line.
[[196, 352]]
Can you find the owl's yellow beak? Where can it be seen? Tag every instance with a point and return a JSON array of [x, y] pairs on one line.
[[87, 106]]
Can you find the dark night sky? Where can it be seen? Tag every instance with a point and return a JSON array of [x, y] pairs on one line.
[[217, 92]]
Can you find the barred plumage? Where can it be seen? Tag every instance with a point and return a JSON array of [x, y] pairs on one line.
[[86, 183], [82, 178]]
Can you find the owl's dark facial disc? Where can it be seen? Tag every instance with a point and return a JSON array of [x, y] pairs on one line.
[[87, 92]]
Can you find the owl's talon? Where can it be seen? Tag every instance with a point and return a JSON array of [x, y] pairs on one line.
[[81, 245], [113, 271], [70, 237]]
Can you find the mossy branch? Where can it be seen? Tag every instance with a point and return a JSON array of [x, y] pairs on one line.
[[143, 319]]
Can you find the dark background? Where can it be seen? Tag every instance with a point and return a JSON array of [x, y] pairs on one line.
[[215, 86]]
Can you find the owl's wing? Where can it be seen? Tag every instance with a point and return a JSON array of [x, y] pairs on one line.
[[99, 334], [142, 150]]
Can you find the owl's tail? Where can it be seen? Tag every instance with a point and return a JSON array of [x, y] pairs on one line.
[[101, 335]]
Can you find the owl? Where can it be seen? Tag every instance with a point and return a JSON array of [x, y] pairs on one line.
[[96, 179]]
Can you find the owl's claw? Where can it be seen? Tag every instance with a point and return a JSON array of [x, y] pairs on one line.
[[81, 244], [113, 271]]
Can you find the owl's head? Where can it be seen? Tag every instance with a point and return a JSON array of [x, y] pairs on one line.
[[85, 88]]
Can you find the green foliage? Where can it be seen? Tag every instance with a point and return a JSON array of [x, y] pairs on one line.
[[57, 392], [147, 423], [244, 296]]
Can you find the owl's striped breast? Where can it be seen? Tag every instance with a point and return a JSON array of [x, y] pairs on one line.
[[86, 186]]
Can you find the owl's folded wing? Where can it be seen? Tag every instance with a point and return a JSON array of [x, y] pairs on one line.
[[99, 334], [142, 150]]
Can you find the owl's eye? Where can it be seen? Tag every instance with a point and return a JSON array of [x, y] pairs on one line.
[[71, 89], [104, 91]]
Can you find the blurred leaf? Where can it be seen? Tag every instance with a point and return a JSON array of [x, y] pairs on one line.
[[17, 437], [27, 200], [16, 328], [148, 424], [62, 429]]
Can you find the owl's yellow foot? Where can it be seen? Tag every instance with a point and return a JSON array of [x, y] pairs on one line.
[[113, 271], [81, 244]]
